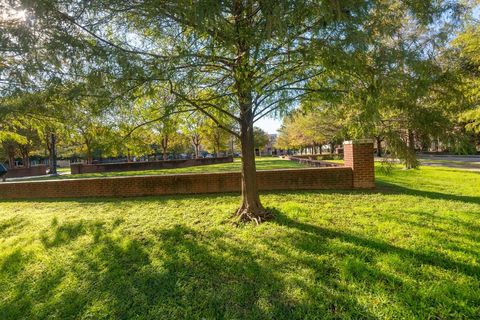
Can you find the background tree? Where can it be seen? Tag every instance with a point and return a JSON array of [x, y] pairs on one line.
[[260, 139], [194, 128], [467, 58], [311, 127], [388, 84], [217, 138]]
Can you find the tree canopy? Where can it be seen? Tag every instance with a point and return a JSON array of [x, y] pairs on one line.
[[120, 66]]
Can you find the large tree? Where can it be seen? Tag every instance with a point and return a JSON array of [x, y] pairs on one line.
[[242, 58]]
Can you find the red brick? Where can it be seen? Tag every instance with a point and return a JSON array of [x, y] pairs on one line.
[[358, 155]]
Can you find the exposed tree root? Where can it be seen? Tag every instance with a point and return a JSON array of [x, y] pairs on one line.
[[259, 215]]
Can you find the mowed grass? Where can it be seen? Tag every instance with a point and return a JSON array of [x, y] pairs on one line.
[[408, 250], [262, 163]]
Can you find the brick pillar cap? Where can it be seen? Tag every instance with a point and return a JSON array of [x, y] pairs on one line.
[[358, 141]]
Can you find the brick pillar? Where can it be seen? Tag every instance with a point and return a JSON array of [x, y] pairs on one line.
[[358, 155]]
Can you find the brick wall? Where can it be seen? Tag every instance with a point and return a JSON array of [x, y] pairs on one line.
[[314, 163], [358, 155], [78, 168], [39, 170], [358, 173], [287, 179]]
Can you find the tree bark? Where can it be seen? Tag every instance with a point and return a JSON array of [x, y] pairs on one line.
[[379, 146], [11, 155], [26, 161], [217, 145], [50, 160], [410, 163], [165, 147], [89, 156], [25, 153], [49, 146], [251, 208], [196, 145], [411, 141]]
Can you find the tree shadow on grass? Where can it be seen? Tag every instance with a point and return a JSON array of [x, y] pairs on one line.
[[186, 273], [95, 200], [390, 188], [358, 258], [447, 226], [431, 258], [180, 274], [11, 225], [14, 262], [62, 234]]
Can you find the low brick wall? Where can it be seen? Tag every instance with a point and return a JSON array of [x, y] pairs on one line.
[[287, 179], [319, 157], [19, 172], [314, 163], [357, 173], [78, 168]]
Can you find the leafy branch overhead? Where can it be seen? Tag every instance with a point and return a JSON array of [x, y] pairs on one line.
[[130, 73]]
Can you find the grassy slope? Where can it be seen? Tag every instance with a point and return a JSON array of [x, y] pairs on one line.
[[263, 163], [409, 249]]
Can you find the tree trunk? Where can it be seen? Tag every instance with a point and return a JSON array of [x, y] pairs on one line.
[[251, 208], [379, 146], [410, 162], [48, 144], [11, 162], [89, 156], [165, 147], [197, 151], [25, 153], [50, 159], [26, 161], [196, 145], [218, 146], [10, 147], [411, 141]]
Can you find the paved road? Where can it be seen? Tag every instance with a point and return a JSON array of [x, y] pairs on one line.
[[471, 163], [60, 173], [468, 159]]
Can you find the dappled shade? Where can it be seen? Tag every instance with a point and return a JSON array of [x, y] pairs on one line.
[[405, 250]]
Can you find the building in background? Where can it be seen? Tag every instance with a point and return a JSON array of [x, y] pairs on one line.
[[269, 149]]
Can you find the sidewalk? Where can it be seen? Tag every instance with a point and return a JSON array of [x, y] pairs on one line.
[[471, 163]]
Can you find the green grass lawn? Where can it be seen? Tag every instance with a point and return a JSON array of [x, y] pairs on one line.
[[263, 163], [408, 250], [63, 170]]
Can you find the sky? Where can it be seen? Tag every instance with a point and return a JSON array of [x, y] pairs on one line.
[[269, 125]]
